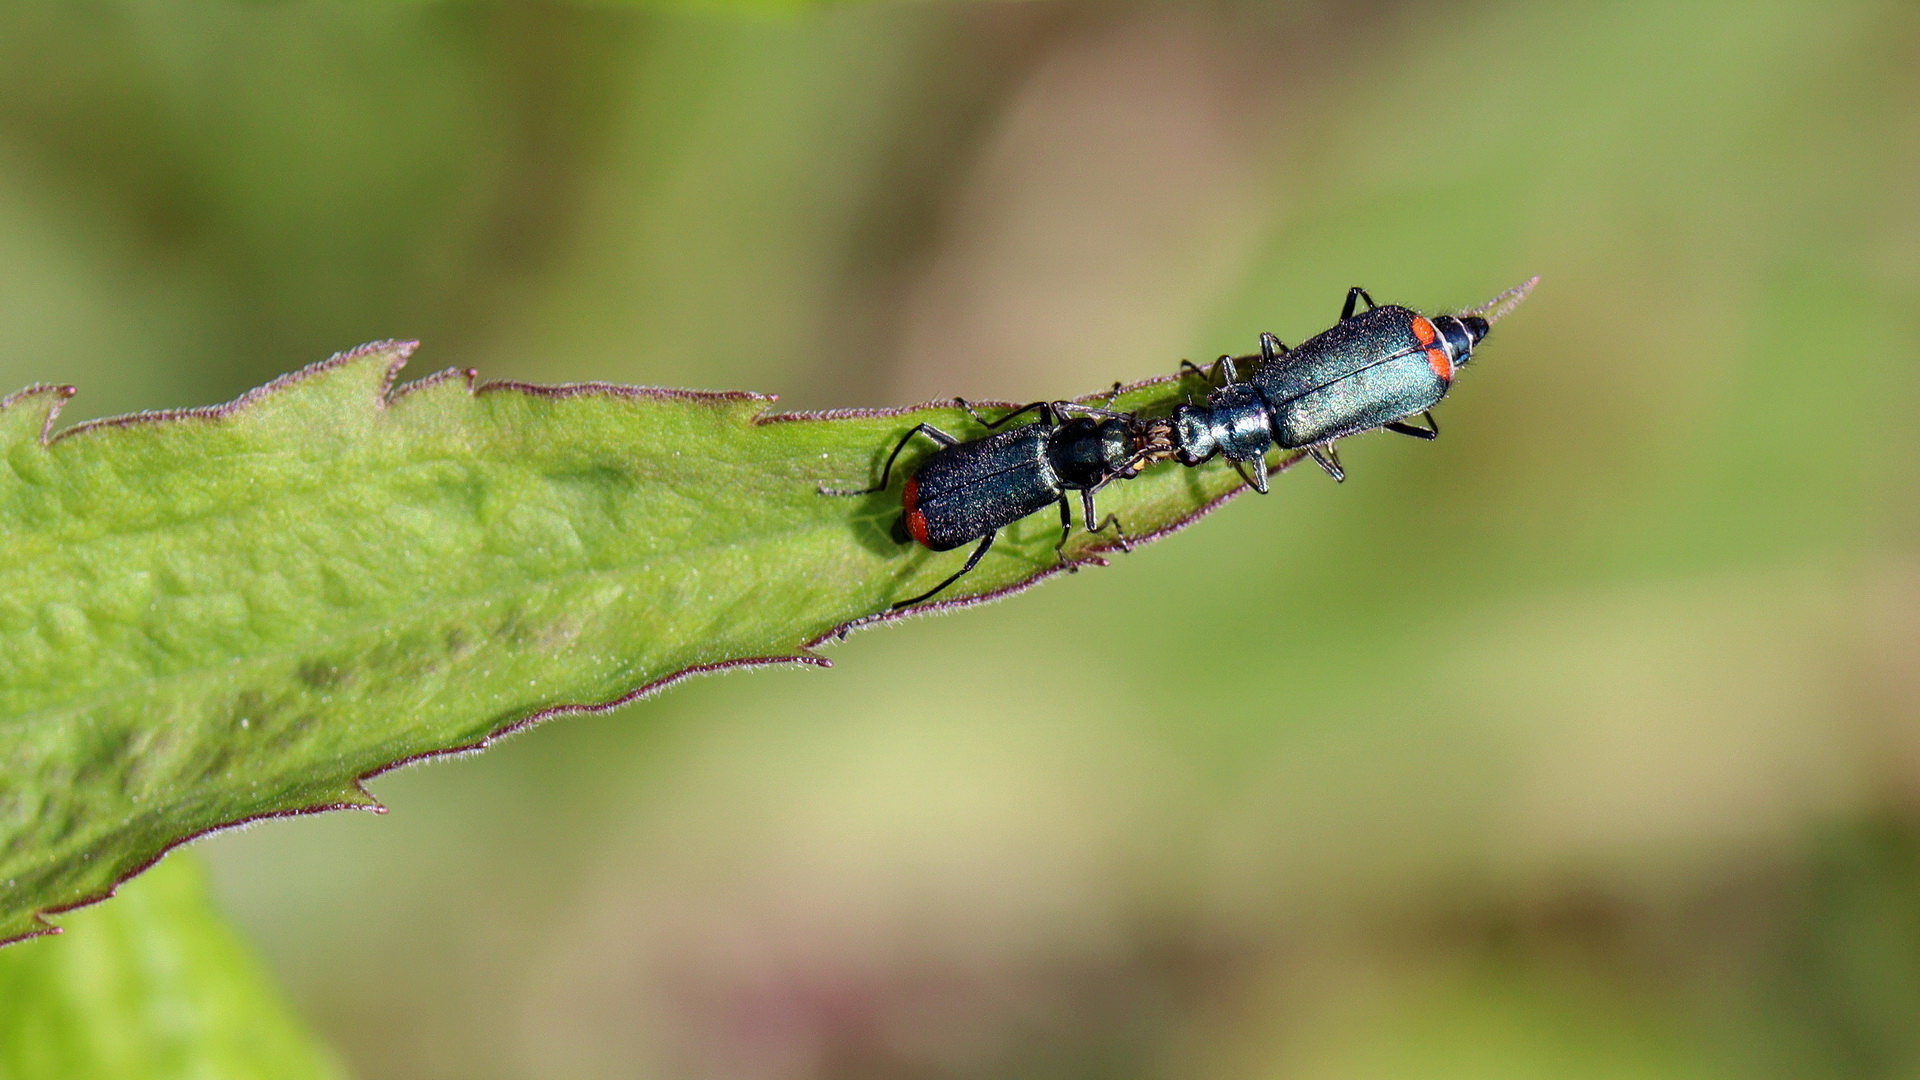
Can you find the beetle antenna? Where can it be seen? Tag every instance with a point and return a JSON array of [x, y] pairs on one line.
[[1497, 308]]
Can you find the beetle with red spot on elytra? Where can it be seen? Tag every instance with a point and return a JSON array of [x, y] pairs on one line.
[[1372, 369]]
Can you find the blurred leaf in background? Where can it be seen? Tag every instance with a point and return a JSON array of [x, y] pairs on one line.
[[1581, 742], [151, 985]]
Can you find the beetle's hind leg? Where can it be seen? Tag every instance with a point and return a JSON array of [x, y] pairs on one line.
[[931, 432], [1401, 427], [973, 560]]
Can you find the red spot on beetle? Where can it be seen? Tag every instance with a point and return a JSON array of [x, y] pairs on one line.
[[1443, 367], [1424, 330], [916, 518]]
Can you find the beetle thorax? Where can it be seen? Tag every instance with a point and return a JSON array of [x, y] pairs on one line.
[[1241, 427]]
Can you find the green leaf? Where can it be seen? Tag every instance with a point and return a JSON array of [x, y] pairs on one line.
[[214, 616], [154, 985]]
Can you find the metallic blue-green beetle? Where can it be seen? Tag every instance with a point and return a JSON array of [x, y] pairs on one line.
[[1372, 369], [968, 490]]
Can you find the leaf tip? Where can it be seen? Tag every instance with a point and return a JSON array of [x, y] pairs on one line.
[[29, 413], [398, 348], [36, 925], [395, 353], [443, 377], [341, 383], [356, 797]]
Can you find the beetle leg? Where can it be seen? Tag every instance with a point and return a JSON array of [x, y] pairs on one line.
[[1065, 407], [1329, 460], [1212, 373], [1430, 432], [1219, 373], [1257, 479], [928, 430], [1355, 295], [1086, 508], [1066, 530], [1046, 413], [973, 560], [1271, 348]]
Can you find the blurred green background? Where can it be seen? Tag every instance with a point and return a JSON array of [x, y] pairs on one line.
[[1584, 742]]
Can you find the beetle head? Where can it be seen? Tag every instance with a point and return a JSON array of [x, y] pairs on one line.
[[1460, 333]]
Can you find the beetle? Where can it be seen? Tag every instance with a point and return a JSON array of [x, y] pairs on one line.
[[970, 490], [1372, 369]]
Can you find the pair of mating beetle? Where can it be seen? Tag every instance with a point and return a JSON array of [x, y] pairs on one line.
[[1372, 369]]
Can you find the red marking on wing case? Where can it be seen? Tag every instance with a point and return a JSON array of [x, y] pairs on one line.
[[916, 518]]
